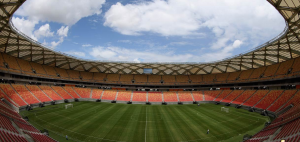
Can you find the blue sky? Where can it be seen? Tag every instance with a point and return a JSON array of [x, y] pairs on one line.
[[150, 30]]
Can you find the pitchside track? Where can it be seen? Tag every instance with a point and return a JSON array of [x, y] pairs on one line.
[[91, 121]]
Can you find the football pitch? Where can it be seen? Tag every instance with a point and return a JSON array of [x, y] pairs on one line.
[[95, 122]]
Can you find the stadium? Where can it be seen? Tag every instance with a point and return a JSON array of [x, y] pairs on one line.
[[48, 95]]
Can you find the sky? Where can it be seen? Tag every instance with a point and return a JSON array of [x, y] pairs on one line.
[[150, 30]]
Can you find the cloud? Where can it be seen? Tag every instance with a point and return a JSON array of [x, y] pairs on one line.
[[62, 11], [43, 31], [56, 43], [123, 54], [113, 53], [221, 54], [125, 41], [25, 26], [63, 31], [86, 45], [76, 53], [155, 16], [227, 20], [180, 43]]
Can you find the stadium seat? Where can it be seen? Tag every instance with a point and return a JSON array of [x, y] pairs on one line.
[[71, 91], [109, 95], [99, 77], [124, 95], [269, 99], [51, 72], [244, 76], [270, 71], [170, 96], [27, 127], [233, 77], [211, 95], [38, 69], [288, 116], [12, 94], [83, 92], [38, 137], [182, 79], [2, 95], [63, 73], [221, 77], [50, 92], [196, 79], [295, 68], [257, 73], [140, 79], [61, 92], [223, 95], [12, 63], [9, 133], [295, 101], [154, 79], [256, 97], [113, 78], [290, 129], [243, 97], [25, 94], [154, 97], [139, 96], [185, 96], [169, 79], [86, 76], [209, 78], [2, 67], [198, 95], [11, 137], [282, 100], [265, 133], [73, 74], [96, 93], [5, 123], [126, 79], [5, 108], [284, 68], [36, 91], [25, 67]]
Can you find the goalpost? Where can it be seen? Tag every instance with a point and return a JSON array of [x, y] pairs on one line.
[[225, 109], [68, 106]]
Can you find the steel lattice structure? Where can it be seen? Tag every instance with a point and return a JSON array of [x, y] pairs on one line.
[[284, 47]]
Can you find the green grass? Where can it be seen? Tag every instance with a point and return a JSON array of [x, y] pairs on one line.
[[95, 122]]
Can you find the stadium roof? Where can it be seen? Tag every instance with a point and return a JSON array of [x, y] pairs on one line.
[[284, 47]]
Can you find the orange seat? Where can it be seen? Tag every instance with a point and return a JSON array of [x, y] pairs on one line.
[[198, 95], [83, 92], [96, 93], [124, 96], [61, 92], [154, 97], [185, 96], [170, 97], [139, 96], [109, 95], [12, 94]]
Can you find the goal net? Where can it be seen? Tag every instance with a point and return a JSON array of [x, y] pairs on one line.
[[69, 106], [225, 109]]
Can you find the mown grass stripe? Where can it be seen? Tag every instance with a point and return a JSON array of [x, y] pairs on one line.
[[106, 122]]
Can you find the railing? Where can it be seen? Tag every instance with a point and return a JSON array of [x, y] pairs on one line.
[[283, 33]]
